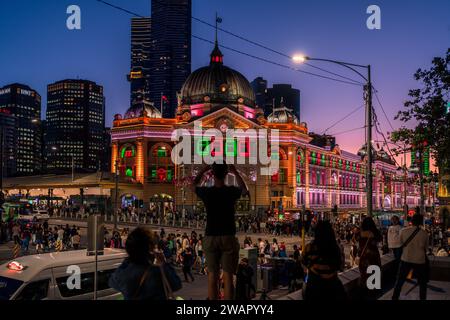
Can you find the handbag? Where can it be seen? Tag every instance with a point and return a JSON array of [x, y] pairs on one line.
[[170, 286], [141, 282], [358, 257]]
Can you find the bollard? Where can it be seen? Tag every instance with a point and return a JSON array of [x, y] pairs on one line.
[[58, 245], [16, 250]]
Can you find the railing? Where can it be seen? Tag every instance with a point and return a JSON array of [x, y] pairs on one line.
[[136, 220]]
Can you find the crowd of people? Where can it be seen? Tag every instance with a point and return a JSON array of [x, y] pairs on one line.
[[149, 272], [33, 237]]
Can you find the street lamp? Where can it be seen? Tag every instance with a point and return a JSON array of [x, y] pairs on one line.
[[368, 99]]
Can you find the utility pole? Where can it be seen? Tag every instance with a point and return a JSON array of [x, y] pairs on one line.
[[405, 186], [422, 193], [369, 185], [116, 200], [1, 161]]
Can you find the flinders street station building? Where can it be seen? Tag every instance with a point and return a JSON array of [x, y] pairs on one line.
[[314, 173]]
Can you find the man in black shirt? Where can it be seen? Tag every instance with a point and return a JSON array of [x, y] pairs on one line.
[[220, 245]]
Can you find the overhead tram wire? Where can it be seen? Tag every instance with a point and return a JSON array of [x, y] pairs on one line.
[[347, 131], [342, 119], [382, 108], [121, 9], [277, 63], [350, 80], [386, 143]]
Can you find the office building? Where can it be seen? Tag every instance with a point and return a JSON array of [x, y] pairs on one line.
[[139, 75], [24, 104], [259, 86], [75, 125], [8, 149], [170, 54]]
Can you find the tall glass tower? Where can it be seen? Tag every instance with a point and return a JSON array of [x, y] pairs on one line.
[[170, 54], [139, 75]]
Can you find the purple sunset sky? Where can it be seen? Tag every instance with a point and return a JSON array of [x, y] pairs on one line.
[[38, 49]]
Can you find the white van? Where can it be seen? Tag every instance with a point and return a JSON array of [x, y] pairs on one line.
[[44, 276]]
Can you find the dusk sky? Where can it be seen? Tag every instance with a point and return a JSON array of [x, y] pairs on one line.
[[37, 49]]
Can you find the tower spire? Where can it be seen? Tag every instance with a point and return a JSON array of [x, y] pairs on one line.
[[217, 23], [216, 55]]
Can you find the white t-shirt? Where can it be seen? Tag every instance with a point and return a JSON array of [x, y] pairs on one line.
[[393, 236], [416, 249]]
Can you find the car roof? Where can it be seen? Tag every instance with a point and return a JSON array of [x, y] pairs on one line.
[[37, 262]]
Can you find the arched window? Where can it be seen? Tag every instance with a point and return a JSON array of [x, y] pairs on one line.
[[128, 151], [161, 168], [127, 161]]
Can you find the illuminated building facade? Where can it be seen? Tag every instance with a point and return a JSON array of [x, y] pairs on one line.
[[75, 128], [311, 175], [24, 104]]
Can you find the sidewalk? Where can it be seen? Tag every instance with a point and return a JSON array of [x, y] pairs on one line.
[[437, 290]]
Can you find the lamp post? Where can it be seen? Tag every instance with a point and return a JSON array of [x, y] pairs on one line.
[[116, 200], [1, 162], [368, 100]]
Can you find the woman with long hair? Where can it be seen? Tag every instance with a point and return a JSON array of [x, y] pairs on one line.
[[322, 259], [139, 277], [368, 238]]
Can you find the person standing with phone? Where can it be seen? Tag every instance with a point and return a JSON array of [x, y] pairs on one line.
[[220, 245]]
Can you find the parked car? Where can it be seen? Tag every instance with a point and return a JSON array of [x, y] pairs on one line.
[[45, 276]]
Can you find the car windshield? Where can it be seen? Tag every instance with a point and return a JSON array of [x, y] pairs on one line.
[[8, 287]]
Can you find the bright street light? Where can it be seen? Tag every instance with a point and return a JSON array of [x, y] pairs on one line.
[[299, 58]]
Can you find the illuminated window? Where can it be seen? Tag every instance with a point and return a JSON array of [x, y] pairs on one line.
[[128, 152], [129, 172]]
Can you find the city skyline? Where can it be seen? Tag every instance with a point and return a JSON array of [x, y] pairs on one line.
[[107, 30]]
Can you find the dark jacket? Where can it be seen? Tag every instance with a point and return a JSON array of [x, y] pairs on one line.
[[127, 277]]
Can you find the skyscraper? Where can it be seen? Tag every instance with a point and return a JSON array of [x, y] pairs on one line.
[[259, 86], [24, 104], [170, 54], [8, 149], [139, 75], [75, 125]]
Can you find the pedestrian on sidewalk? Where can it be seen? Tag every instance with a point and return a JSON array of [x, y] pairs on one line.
[[244, 286], [393, 238], [188, 261], [138, 277], [368, 239], [414, 241], [322, 259], [220, 244], [76, 239]]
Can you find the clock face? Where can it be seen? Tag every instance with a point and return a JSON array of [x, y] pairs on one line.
[[223, 127]]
